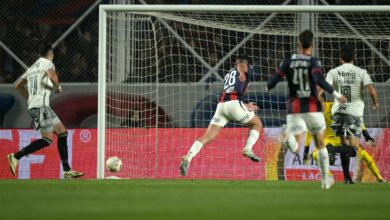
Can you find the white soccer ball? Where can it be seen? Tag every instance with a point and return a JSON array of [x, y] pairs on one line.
[[113, 164]]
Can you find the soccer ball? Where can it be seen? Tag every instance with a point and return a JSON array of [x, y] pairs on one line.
[[113, 164]]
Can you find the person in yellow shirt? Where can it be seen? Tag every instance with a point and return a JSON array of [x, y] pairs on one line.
[[334, 145]]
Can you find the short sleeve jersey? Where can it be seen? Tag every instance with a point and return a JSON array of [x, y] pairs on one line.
[[233, 88], [350, 81], [38, 83], [299, 70]]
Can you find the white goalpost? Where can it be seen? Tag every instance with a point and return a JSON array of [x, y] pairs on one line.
[[161, 70]]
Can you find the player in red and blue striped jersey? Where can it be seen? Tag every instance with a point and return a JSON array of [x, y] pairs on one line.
[[231, 107], [234, 89], [304, 73]]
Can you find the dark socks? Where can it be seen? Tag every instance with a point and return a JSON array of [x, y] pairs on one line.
[[345, 159], [33, 147], [345, 153], [63, 150]]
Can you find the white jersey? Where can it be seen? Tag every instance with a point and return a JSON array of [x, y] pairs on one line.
[[38, 83], [350, 81]]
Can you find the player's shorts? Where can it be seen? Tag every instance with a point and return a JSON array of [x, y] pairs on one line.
[[314, 122], [44, 118], [346, 125], [231, 110]]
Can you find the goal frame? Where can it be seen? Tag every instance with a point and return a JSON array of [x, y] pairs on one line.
[[103, 9]]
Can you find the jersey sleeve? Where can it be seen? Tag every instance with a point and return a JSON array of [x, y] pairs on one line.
[[48, 66], [316, 66], [366, 78], [318, 75], [329, 77], [279, 74], [24, 75]]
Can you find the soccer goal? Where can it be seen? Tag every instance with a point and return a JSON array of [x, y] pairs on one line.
[[161, 70]]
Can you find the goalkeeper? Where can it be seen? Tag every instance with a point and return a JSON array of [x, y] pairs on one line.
[[334, 145]]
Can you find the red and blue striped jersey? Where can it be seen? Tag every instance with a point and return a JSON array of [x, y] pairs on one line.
[[303, 73], [233, 89]]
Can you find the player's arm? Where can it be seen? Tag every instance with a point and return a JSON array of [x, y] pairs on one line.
[[54, 78], [374, 96], [367, 136], [278, 75], [318, 77], [20, 87]]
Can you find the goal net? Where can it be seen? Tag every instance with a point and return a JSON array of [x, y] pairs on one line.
[[161, 74]]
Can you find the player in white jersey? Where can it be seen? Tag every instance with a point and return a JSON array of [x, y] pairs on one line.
[[40, 79], [351, 81]]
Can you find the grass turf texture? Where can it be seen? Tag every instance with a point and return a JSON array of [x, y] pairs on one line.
[[185, 199]]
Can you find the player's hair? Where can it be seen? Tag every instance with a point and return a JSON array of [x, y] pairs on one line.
[[44, 49], [306, 38], [347, 53], [242, 57]]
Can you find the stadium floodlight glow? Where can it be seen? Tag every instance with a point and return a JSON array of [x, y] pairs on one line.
[[160, 70]]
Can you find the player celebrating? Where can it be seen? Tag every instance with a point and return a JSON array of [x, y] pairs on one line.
[[351, 80], [304, 72], [40, 78], [230, 107]]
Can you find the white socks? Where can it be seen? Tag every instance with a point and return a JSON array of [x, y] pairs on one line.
[[253, 135], [194, 150], [323, 160]]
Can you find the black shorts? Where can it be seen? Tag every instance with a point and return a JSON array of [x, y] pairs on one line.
[[346, 125]]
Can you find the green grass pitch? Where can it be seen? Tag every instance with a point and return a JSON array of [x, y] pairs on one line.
[[190, 199]]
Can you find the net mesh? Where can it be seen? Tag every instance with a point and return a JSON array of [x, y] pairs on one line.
[[165, 72]]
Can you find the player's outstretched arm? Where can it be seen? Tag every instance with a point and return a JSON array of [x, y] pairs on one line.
[[279, 74], [374, 96], [276, 78], [320, 80], [20, 86], [54, 78]]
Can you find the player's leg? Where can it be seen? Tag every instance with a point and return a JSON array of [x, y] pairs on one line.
[[217, 123], [346, 152], [323, 161], [293, 132], [238, 111], [34, 146], [366, 157], [62, 146], [255, 127], [316, 125], [42, 124], [306, 153], [211, 133], [348, 128]]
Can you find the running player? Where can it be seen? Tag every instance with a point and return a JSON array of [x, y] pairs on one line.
[[351, 81], [304, 73], [40, 79], [230, 107]]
